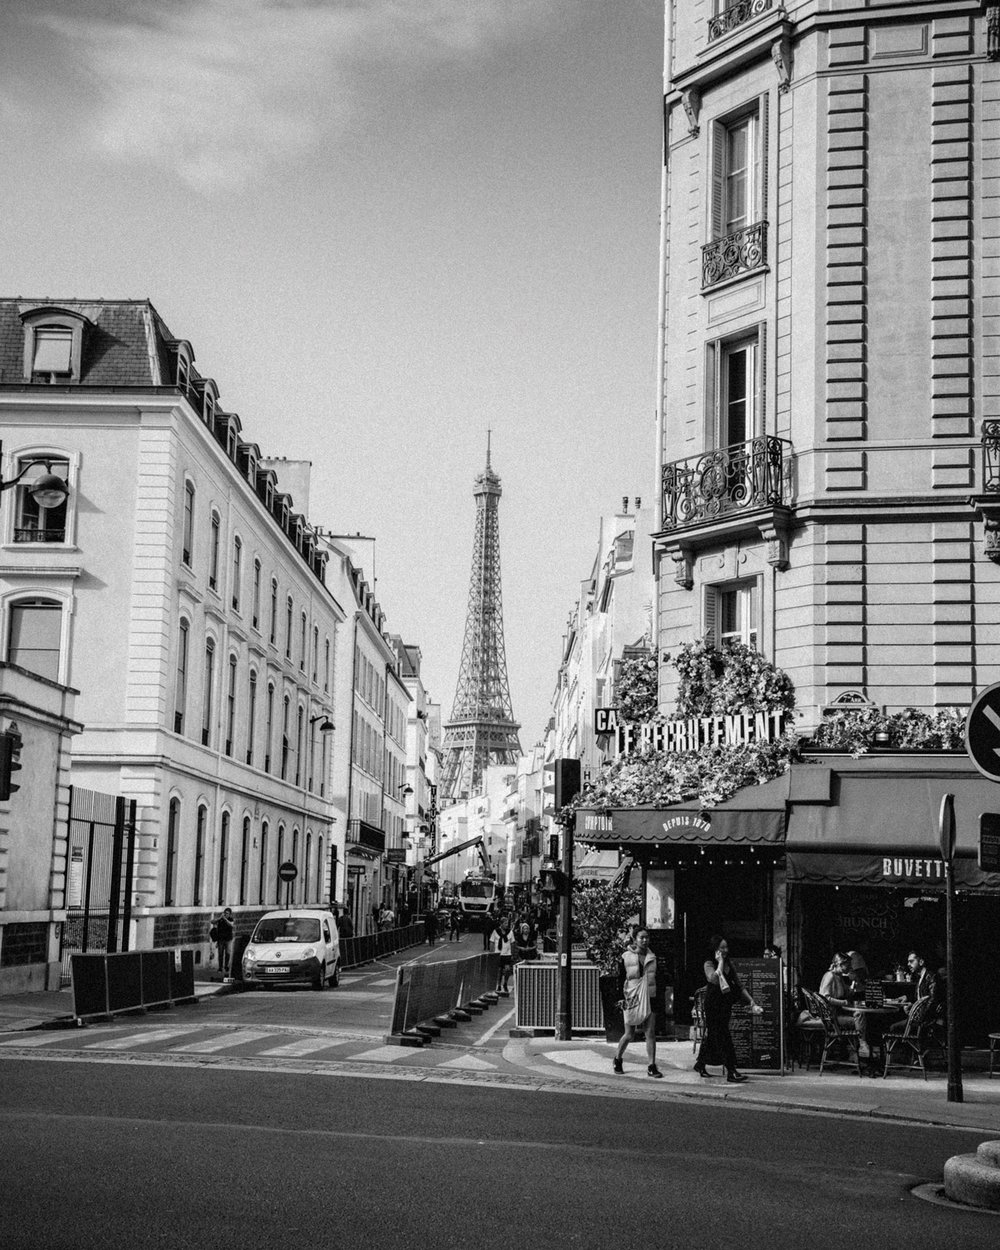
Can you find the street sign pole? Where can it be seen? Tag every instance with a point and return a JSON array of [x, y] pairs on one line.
[[564, 1014], [946, 833]]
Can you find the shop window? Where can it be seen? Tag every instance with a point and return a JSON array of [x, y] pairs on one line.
[[34, 636]]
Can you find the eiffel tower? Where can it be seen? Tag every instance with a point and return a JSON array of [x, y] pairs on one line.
[[482, 729]]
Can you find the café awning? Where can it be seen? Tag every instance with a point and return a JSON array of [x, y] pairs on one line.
[[755, 816], [880, 828]]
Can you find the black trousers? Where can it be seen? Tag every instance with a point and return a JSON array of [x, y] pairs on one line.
[[717, 1044]]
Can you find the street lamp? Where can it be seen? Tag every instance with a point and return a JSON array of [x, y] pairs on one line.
[[327, 726], [48, 492]]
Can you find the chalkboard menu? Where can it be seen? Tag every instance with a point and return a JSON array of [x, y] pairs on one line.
[[760, 1040]]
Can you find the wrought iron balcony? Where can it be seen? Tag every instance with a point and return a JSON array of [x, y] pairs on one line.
[[361, 833], [991, 457], [30, 535], [735, 254], [717, 484], [734, 15]]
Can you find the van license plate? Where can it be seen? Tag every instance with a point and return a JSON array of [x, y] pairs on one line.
[[277, 968]]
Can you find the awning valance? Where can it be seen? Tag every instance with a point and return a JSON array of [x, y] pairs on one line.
[[882, 829], [755, 816]]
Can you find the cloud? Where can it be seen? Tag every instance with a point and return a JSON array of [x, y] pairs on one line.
[[217, 90]]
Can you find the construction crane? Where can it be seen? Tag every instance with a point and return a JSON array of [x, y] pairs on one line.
[[464, 846]]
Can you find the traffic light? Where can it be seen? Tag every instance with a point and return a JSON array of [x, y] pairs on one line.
[[10, 762], [560, 785]]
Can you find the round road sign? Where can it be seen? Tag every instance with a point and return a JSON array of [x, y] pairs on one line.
[[982, 732], [287, 871]]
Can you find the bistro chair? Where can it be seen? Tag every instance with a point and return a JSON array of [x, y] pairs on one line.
[[698, 1018], [994, 1047], [918, 1034], [809, 1033], [836, 1036]]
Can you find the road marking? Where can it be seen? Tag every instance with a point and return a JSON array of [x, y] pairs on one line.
[[138, 1039], [222, 1043], [470, 1063], [35, 1039], [383, 1054], [304, 1046], [490, 1032], [388, 981]]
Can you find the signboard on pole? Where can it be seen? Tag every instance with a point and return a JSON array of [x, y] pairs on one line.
[[287, 871], [989, 842]]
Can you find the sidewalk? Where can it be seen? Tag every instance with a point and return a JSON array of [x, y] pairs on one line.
[[54, 1008], [905, 1096]]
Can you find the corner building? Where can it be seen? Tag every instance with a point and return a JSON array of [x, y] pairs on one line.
[[827, 420], [183, 595]]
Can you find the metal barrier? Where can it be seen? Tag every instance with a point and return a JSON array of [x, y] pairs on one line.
[[364, 950], [128, 981], [425, 991], [536, 995]]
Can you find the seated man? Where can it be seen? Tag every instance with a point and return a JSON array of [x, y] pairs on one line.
[[928, 983]]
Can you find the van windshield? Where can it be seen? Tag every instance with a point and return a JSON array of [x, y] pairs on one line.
[[287, 929]]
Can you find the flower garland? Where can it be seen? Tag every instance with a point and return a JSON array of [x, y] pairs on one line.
[[858, 730]]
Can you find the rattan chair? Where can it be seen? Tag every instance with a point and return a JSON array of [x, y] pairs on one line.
[[918, 1034], [698, 1018], [836, 1036]]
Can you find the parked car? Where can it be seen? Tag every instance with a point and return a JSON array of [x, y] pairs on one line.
[[293, 946]]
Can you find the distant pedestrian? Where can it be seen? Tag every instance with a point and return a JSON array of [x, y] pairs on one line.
[[386, 918], [502, 943], [489, 924], [221, 933], [525, 949], [345, 926], [431, 927], [454, 924]]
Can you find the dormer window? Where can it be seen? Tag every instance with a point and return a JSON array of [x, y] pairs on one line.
[[208, 409], [53, 340], [183, 372]]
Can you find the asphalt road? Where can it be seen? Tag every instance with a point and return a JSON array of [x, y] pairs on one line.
[[134, 1156]]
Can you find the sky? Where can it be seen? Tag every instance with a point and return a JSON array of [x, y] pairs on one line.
[[386, 227]]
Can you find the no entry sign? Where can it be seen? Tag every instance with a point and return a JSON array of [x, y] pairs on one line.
[[982, 732]]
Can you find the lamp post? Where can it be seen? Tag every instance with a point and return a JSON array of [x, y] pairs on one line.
[[326, 726]]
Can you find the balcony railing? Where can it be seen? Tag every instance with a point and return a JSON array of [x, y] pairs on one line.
[[737, 253], [29, 535], [740, 478], [734, 15], [991, 457], [361, 833]]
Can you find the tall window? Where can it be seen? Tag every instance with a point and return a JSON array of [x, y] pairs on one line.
[[180, 684], [302, 643], [738, 165], [319, 870], [262, 881], [307, 872], [298, 746], [244, 858], [273, 633], [289, 613], [213, 563], [231, 706], [269, 727], [251, 714], [206, 701], [315, 652], [280, 860], [326, 665], [170, 869], [735, 389], [199, 855], [237, 572], [285, 744], [34, 635], [35, 523], [223, 859], [187, 543], [295, 860], [255, 610], [732, 612]]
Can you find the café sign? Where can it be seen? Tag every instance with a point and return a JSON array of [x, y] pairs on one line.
[[697, 733], [911, 869]]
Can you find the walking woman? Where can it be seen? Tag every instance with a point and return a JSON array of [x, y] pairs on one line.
[[637, 987], [724, 991]]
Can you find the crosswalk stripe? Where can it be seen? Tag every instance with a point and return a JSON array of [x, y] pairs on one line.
[[225, 1042], [138, 1039], [35, 1039], [304, 1046], [469, 1064], [384, 1054]]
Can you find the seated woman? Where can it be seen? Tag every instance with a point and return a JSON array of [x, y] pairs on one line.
[[836, 988]]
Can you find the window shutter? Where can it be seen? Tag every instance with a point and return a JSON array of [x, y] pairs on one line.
[[718, 179], [760, 379], [712, 422], [760, 158], [711, 630]]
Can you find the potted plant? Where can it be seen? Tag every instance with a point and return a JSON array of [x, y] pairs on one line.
[[603, 917]]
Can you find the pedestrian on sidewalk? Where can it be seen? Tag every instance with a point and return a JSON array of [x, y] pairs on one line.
[[724, 990], [502, 942], [221, 933], [637, 999], [431, 927], [489, 925], [454, 924]]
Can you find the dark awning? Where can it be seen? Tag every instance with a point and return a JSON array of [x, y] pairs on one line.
[[882, 829], [755, 816]]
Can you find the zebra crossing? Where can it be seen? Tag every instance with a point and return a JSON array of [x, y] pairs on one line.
[[191, 1041]]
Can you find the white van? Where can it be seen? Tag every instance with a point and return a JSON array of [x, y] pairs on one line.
[[299, 946]]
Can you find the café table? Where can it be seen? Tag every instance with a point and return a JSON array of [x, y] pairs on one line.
[[878, 1017]]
